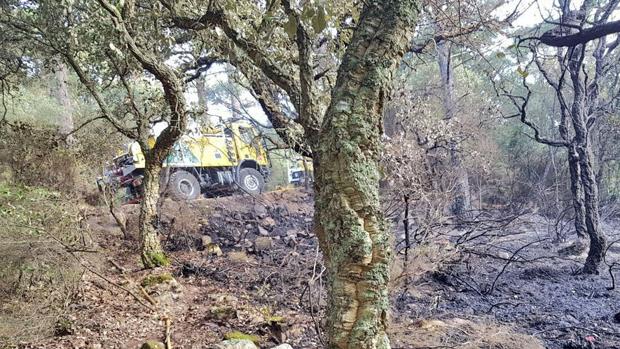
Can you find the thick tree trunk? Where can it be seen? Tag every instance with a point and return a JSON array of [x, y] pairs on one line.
[[597, 237], [152, 252], [461, 199], [577, 193], [61, 93], [444, 61], [582, 145], [350, 226]]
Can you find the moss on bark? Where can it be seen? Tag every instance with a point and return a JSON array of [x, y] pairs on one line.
[[152, 253], [349, 219], [154, 259]]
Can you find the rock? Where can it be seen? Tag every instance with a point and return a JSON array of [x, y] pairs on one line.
[[247, 243], [260, 211], [504, 255], [429, 324], [617, 318], [223, 298], [238, 257], [283, 346], [153, 280], [205, 241], [236, 344], [222, 313], [263, 243], [291, 238], [268, 223], [153, 344], [214, 249], [262, 231]]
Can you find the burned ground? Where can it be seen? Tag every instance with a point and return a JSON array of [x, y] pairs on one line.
[[251, 264], [516, 276]]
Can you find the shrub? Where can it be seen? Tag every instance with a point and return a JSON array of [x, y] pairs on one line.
[[35, 157], [37, 277]]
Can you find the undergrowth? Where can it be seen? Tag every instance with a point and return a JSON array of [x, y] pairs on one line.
[[38, 278]]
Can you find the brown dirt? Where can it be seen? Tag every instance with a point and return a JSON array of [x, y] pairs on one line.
[[261, 293], [277, 293]]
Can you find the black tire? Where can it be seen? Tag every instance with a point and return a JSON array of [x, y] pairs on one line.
[[183, 186], [251, 181]]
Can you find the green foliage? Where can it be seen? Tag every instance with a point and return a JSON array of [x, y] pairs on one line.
[[38, 156], [33, 105], [32, 152], [35, 157]]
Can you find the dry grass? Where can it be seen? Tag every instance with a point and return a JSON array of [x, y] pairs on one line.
[[38, 278], [460, 333], [422, 260]]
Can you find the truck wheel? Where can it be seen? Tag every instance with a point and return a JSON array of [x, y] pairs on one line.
[[183, 186], [251, 181]]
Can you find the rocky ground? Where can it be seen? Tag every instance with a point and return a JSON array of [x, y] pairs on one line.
[[248, 270]]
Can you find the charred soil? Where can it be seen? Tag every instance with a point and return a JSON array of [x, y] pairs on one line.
[[252, 265]]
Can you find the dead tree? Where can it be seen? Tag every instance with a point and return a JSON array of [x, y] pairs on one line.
[[579, 37]]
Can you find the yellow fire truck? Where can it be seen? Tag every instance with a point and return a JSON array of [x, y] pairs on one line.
[[221, 157]]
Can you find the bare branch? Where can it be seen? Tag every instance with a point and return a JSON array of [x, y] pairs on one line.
[[582, 37]]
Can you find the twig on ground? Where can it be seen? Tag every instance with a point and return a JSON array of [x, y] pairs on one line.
[[147, 296], [510, 260], [168, 341]]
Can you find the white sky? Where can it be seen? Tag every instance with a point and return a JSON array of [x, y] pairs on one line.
[[532, 11], [215, 75]]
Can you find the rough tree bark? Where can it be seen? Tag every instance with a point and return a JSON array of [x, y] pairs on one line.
[[598, 242], [151, 250], [152, 253], [461, 199], [61, 93], [578, 195], [201, 91], [582, 145], [350, 226]]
